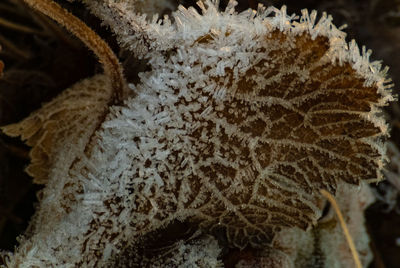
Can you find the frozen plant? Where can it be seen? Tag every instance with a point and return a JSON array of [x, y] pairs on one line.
[[238, 124]]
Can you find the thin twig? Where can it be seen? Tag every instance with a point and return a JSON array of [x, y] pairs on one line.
[[10, 9], [335, 206], [19, 27], [13, 49]]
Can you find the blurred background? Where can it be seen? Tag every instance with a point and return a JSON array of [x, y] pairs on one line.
[[41, 59]]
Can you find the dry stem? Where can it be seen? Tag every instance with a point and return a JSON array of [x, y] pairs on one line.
[[335, 206], [18, 27], [14, 50], [111, 65]]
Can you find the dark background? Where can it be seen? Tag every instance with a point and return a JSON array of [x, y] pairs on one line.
[[41, 59]]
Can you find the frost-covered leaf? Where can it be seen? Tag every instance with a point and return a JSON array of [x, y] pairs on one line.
[[68, 120], [131, 21], [253, 116], [237, 125]]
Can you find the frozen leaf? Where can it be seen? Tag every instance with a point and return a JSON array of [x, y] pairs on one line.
[[255, 115], [237, 125], [69, 119], [133, 21]]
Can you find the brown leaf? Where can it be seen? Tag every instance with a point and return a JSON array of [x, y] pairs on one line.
[[68, 119]]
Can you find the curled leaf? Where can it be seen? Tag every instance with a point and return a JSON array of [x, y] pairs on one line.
[[68, 120]]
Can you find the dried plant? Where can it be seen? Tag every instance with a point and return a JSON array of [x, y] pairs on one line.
[[110, 62], [59, 123], [238, 125], [344, 226]]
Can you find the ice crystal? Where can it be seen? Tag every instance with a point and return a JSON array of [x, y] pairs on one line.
[[238, 124]]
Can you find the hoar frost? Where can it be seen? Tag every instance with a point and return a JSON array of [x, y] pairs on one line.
[[240, 121]]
